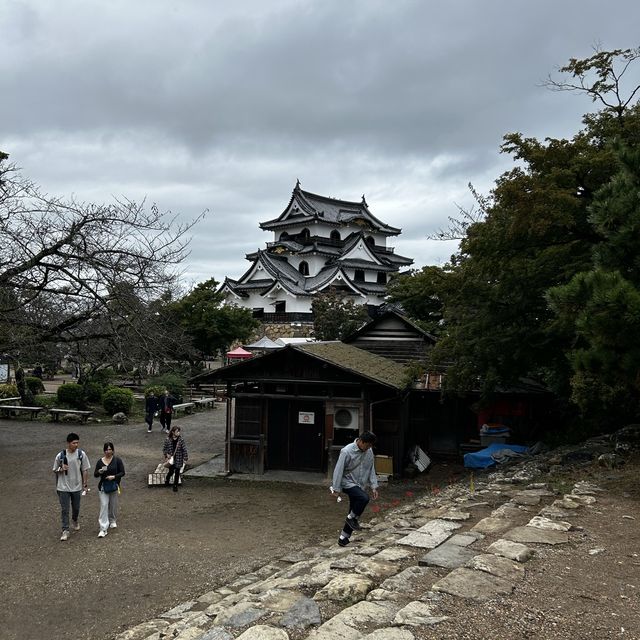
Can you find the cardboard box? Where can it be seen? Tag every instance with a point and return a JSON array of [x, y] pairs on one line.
[[384, 465]]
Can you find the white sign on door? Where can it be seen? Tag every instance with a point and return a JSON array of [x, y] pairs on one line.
[[306, 417]]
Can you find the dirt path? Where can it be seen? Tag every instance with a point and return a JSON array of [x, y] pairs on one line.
[[168, 547]]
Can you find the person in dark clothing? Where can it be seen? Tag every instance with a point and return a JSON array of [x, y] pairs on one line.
[[175, 451], [165, 405], [354, 473], [150, 408]]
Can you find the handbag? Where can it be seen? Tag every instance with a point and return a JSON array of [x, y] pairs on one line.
[[109, 486], [169, 462]]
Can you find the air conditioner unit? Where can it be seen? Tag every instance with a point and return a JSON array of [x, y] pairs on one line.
[[346, 418]]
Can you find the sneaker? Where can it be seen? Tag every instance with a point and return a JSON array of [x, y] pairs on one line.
[[64, 536], [343, 542], [175, 487], [75, 525], [102, 533], [354, 524], [113, 525], [149, 430]]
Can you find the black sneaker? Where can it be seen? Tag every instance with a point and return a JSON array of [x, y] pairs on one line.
[[343, 542], [175, 487], [354, 524]]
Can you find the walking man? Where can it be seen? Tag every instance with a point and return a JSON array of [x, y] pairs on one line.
[[71, 467], [165, 405], [353, 474], [150, 408]]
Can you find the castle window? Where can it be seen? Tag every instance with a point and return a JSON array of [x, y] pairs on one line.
[[284, 236], [382, 277], [303, 268], [281, 306], [335, 235], [304, 234], [359, 275]]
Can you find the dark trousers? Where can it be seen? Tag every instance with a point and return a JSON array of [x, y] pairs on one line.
[[69, 499], [358, 500], [175, 472], [165, 420]]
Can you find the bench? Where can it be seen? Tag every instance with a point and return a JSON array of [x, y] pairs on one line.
[[204, 402], [6, 410], [55, 413], [186, 406], [3, 400]]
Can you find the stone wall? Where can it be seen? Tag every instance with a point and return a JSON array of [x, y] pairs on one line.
[[284, 330]]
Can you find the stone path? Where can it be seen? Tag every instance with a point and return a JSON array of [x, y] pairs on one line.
[[387, 584]]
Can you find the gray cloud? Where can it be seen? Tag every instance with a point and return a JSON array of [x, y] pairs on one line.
[[200, 105]]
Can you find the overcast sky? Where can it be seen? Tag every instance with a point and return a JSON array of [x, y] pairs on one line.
[[220, 106]]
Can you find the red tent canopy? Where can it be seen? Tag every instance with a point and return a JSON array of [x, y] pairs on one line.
[[239, 354]]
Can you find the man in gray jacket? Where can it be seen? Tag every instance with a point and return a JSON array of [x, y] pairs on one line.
[[354, 472]]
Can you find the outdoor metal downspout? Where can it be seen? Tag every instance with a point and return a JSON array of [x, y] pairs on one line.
[[227, 444]]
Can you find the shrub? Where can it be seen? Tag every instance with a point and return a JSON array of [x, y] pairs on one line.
[[34, 384], [93, 391], [157, 389], [72, 394], [174, 383], [8, 391], [117, 400]]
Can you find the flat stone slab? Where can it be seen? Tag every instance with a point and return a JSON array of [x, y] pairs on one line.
[[448, 556], [416, 614], [390, 633], [334, 629], [526, 499], [512, 550], [240, 615], [531, 535], [393, 554], [429, 536], [455, 515], [465, 539], [497, 566], [405, 581], [540, 522], [376, 570], [263, 632], [347, 589], [473, 585], [555, 512], [492, 525], [366, 612]]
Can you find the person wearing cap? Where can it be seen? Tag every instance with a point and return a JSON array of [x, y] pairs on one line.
[[354, 473]]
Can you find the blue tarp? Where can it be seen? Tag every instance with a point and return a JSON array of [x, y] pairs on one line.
[[483, 458]]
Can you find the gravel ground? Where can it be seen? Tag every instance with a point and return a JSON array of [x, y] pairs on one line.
[[170, 548]]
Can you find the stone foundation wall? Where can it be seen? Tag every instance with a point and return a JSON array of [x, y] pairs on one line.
[[284, 330]]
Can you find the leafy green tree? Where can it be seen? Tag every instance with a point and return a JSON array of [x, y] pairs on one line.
[[537, 233], [211, 325], [334, 317], [600, 307], [421, 294]]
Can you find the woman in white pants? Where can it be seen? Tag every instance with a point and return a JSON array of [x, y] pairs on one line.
[[110, 470]]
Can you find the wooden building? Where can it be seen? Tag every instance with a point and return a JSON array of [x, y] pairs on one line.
[[296, 407]]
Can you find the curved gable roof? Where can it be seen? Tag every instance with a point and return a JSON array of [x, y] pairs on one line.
[[305, 205]]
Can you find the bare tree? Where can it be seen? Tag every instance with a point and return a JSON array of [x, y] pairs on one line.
[[68, 269], [601, 77]]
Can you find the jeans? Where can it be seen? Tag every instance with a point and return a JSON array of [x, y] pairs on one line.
[[358, 500], [69, 498], [108, 509]]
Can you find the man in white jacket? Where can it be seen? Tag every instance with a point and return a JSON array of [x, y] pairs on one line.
[[353, 474]]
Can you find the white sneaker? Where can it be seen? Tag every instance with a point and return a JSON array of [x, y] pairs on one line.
[[113, 525], [64, 536], [102, 533]]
